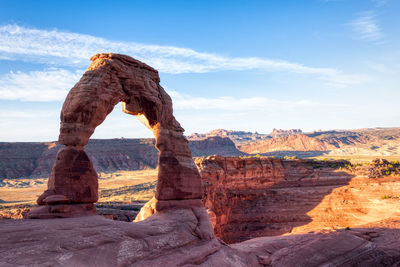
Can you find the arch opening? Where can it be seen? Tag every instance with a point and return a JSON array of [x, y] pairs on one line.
[[110, 79]]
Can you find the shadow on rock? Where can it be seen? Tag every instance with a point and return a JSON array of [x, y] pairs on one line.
[[253, 197]]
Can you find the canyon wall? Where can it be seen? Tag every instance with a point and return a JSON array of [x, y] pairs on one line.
[[293, 142], [366, 142], [254, 197], [23, 160], [20, 160], [297, 142], [214, 145]]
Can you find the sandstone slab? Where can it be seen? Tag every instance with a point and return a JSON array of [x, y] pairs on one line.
[[169, 238]]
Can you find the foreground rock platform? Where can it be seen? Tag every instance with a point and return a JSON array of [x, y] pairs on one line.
[[170, 239], [165, 239]]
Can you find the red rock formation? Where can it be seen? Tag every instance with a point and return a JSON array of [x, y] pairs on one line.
[[35, 160], [147, 210], [238, 137], [254, 197], [366, 142], [279, 132], [170, 239], [23, 160], [19, 159], [214, 145], [110, 79], [297, 142], [372, 246]]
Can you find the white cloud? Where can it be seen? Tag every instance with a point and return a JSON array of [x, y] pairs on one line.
[[307, 115], [366, 27], [64, 48], [18, 114], [49, 85], [380, 2], [228, 103], [54, 84], [202, 114]]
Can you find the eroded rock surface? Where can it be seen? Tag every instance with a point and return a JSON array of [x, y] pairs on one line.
[[357, 247], [110, 79], [171, 239], [253, 197], [166, 239]]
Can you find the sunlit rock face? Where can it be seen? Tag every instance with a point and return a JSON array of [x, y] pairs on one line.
[[175, 230], [254, 197], [110, 79], [169, 239]]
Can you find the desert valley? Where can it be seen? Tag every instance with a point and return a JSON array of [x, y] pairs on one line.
[[285, 183], [199, 133]]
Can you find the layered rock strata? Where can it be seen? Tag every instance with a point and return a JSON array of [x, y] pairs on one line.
[[35, 160], [110, 79], [253, 197]]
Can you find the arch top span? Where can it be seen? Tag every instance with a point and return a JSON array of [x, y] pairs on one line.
[[110, 79]]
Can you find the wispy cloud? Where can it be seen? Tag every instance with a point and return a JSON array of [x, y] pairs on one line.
[[228, 103], [64, 48], [54, 84], [21, 114], [197, 114], [366, 27], [380, 2], [49, 85]]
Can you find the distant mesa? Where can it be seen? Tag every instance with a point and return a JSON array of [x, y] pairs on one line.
[[279, 132], [366, 142], [34, 160], [238, 137]]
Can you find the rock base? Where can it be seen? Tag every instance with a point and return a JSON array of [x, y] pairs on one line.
[[62, 211], [170, 238]]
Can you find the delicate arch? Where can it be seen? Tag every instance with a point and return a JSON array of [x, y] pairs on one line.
[[110, 79]]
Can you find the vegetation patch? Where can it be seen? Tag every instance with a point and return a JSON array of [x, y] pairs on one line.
[[127, 194], [333, 164], [390, 197]]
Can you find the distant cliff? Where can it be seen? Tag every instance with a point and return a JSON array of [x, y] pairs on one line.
[[297, 142], [280, 132], [238, 137], [365, 142], [214, 145], [18, 160]]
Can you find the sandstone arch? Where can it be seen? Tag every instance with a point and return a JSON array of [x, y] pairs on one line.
[[110, 79]]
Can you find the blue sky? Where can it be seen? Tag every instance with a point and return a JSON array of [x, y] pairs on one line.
[[241, 65]]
